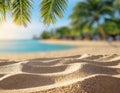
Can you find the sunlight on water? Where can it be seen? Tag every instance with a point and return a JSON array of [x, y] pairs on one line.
[[28, 46]]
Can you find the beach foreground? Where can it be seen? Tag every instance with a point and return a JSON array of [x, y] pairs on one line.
[[62, 72]]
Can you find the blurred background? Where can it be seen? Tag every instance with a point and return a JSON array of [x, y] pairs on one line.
[[89, 20]]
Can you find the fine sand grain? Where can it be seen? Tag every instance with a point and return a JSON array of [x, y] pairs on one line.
[[87, 74], [63, 71]]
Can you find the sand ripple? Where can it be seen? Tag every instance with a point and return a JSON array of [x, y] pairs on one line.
[[74, 74]]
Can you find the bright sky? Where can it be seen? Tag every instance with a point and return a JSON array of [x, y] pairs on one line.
[[9, 30]]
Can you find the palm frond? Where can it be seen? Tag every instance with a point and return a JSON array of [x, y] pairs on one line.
[[21, 11], [51, 9], [4, 7]]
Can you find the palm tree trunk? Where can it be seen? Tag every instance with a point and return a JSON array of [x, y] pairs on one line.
[[102, 32]]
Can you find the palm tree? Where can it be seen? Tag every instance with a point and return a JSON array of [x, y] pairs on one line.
[[21, 10], [115, 19], [90, 12], [63, 32]]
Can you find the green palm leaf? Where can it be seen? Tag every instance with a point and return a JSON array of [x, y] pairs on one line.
[[4, 7], [21, 11], [51, 9], [91, 11]]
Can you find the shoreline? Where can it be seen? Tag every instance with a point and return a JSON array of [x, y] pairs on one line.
[[82, 48], [80, 70]]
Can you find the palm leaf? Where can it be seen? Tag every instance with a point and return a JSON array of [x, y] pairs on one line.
[[4, 7], [21, 11], [51, 9]]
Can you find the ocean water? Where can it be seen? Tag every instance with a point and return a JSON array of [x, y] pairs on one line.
[[29, 46]]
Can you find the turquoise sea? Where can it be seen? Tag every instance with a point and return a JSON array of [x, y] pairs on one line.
[[29, 46]]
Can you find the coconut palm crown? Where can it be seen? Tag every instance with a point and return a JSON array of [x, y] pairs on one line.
[[89, 12]]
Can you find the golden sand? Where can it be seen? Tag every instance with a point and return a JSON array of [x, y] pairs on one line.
[[92, 67]]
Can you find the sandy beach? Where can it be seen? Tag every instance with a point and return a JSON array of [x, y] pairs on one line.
[[82, 47], [90, 67]]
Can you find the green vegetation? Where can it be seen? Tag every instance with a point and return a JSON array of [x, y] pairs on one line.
[[111, 28], [62, 32], [21, 10], [45, 35], [86, 17], [86, 21], [52, 8], [90, 12]]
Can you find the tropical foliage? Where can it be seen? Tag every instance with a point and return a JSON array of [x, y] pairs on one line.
[[21, 10], [62, 32], [85, 16], [90, 12], [111, 28], [52, 8], [4, 7], [86, 21], [45, 35]]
